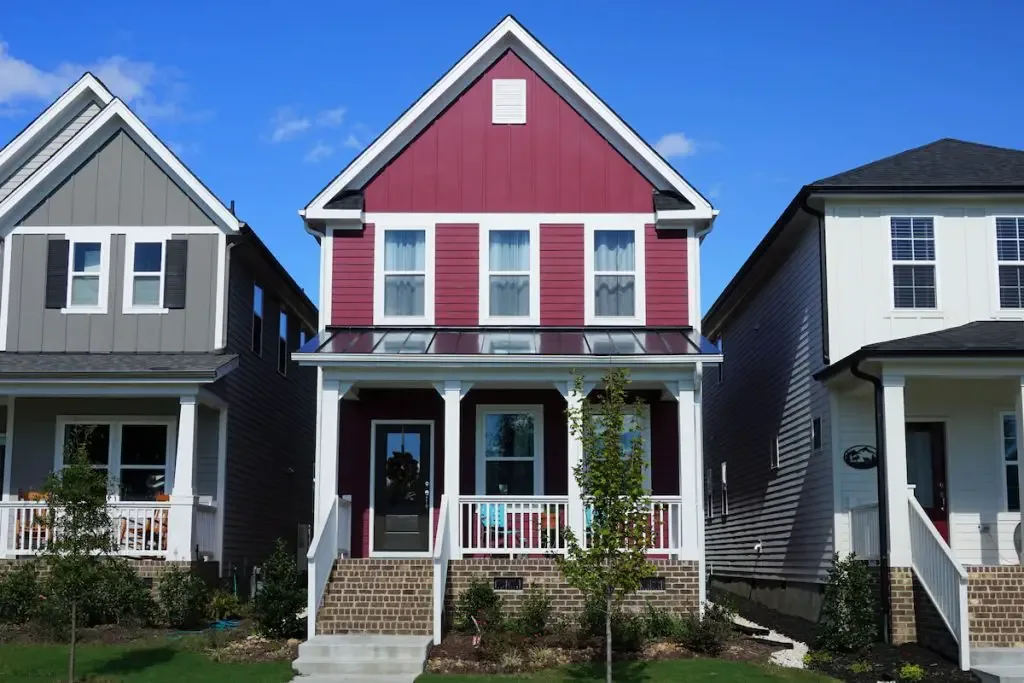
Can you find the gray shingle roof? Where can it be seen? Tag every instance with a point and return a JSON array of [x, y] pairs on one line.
[[198, 367], [940, 164]]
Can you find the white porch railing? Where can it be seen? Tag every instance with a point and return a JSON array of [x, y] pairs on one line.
[[663, 520], [345, 526], [942, 577], [206, 531], [512, 524], [442, 554], [864, 533], [323, 551]]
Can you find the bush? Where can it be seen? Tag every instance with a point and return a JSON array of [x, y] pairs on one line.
[[817, 658], [709, 633], [592, 616], [910, 672], [19, 593], [658, 623], [183, 599], [224, 605], [480, 602], [629, 632], [534, 615], [120, 596], [281, 595], [862, 667], [848, 614]]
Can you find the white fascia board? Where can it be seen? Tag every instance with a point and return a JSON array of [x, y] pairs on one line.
[[85, 86], [508, 33], [116, 113]]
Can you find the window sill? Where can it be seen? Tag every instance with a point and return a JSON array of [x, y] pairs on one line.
[[615, 321], [915, 312], [404, 321], [510, 321], [145, 310], [93, 310]]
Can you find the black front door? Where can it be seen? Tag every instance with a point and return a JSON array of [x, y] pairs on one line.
[[402, 503]]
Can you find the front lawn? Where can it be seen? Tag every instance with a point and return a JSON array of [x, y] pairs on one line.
[[151, 662], [691, 670]]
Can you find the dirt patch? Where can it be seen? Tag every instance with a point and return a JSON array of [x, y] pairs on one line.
[[882, 663], [254, 648], [112, 634]]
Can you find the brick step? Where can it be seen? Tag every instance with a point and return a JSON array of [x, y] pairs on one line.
[[378, 596]]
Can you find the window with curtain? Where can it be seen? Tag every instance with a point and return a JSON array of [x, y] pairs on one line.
[[913, 262], [509, 273], [510, 453], [1010, 255], [86, 273], [405, 272], [615, 273], [1010, 462]]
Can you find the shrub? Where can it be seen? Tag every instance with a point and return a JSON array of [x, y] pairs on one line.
[[534, 615], [281, 595], [224, 605], [629, 631], [19, 593], [592, 616], [658, 623], [120, 596], [480, 602], [910, 672], [817, 658], [861, 667], [708, 633], [848, 614], [183, 598]]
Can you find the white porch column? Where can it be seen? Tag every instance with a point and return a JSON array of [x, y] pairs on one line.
[[181, 517], [574, 398], [453, 391], [327, 455], [896, 470], [691, 513], [1020, 440]]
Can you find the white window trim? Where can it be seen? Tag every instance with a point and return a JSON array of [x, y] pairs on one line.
[[89, 237], [775, 454], [116, 422], [378, 276], [999, 262], [522, 224], [934, 263], [1004, 493], [639, 264], [537, 411], [725, 490], [129, 273], [821, 438]]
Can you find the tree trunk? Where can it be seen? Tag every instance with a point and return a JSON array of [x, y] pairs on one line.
[[608, 638], [71, 653]]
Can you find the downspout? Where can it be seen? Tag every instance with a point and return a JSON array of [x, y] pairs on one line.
[[884, 580]]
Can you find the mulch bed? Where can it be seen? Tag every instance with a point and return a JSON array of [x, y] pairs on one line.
[[885, 661]]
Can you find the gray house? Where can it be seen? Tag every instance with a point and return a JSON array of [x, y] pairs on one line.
[[135, 308]]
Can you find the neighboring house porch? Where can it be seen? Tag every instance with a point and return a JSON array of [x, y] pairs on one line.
[[454, 455], [951, 414], [149, 422]]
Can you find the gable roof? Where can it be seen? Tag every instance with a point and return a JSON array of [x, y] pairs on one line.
[[940, 165], [114, 114], [509, 34]]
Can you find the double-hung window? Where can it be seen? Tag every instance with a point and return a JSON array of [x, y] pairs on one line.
[[634, 428], [403, 289], [144, 286], [509, 450], [913, 262], [87, 276], [1010, 255], [615, 276], [1010, 461], [510, 292], [134, 454]]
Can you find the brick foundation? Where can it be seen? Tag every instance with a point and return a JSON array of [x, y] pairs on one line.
[[915, 619], [995, 600], [149, 570]]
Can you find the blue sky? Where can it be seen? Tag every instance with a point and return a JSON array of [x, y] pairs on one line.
[[751, 100]]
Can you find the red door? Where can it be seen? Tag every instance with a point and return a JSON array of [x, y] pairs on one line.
[[926, 470]]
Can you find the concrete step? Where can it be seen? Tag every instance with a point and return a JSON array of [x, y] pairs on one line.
[[361, 667], [361, 657], [1011, 656], [354, 678], [999, 673]]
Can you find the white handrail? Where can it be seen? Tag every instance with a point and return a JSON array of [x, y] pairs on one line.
[[512, 524], [323, 551], [941, 576], [345, 526], [442, 554], [664, 520], [864, 531]]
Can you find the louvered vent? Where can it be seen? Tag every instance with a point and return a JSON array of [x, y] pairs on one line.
[[508, 100]]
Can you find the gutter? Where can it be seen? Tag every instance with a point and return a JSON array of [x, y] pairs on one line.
[[884, 579]]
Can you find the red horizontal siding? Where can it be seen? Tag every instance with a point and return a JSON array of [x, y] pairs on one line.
[[352, 277], [667, 281], [457, 288], [561, 275], [556, 162]]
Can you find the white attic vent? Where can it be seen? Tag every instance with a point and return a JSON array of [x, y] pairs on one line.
[[508, 100]]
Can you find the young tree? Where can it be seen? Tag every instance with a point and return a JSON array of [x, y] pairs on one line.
[[80, 531], [613, 560]]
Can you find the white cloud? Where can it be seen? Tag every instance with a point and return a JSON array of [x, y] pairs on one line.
[[287, 125], [318, 152], [352, 142], [330, 118], [676, 145]]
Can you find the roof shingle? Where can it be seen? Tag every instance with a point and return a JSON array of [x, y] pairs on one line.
[[199, 367]]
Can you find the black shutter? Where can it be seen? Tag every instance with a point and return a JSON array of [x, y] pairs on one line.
[[174, 279], [56, 273]]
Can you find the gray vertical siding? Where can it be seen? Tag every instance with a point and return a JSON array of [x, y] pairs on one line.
[[772, 345], [33, 327], [207, 440], [271, 430], [118, 185], [60, 138]]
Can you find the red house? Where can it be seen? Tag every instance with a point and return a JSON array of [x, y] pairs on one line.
[[507, 230]]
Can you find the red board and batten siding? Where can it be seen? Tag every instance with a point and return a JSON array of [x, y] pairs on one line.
[[457, 264], [555, 163], [561, 275], [352, 277], [667, 284]]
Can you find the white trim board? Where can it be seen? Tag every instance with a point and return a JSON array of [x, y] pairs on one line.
[[373, 490], [510, 34]]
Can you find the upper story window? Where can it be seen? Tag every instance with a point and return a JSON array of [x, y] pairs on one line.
[[615, 276], [913, 262], [1010, 254], [144, 273], [282, 343], [510, 283], [257, 319], [404, 288], [87, 277]]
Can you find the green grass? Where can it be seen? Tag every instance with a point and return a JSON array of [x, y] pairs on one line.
[[152, 662], [690, 670]]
